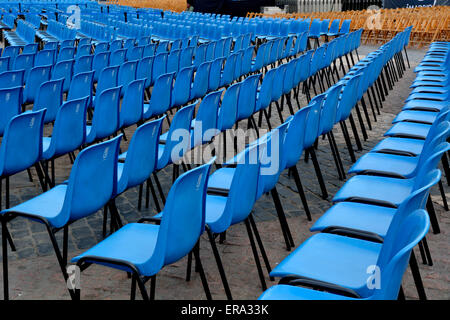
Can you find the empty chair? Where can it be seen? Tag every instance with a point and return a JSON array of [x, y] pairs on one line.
[[45, 57], [83, 50], [24, 62], [247, 97], [10, 79], [117, 57], [30, 48], [204, 126], [50, 97], [12, 52], [11, 105], [173, 61], [63, 70], [66, 53], [159, 65], [144, 70], [131, 111], [100, 61], [149, 50], [182, 87], [183, 214], [83, 64], [160, 100], [215, 74], [74, 200], [4, 64], [36, 77], [127, 73], [81, 86], [68, 135], [227, 74], [101, 47], [105, 121], [186, 57], [201, 80]]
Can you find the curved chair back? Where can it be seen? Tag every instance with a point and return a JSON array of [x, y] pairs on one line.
[[265, 90], [201, 80], [161, 95], [205, 123], [182, 87], [313, 120], [81, 86], [63, 70], [247, 97], [22, 142], [36, 77], [329, 109], [295, 135], [11, 105], [228, 109], [108, 78], [159, 65], [132, 108], [105, 121], [50, 97]]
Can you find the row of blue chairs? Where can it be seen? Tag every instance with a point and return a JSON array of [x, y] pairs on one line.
[[377, 218], [179, 114]]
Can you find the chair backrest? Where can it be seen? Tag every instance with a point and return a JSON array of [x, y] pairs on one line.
[[210, 48], [205, 124], [215, 74], [159, 65], [228, 108], [105, 121], [149, 50], [24, 61], [100, 61], [200, 55], [183, 219], [173, 61], [117, 57], [36, 77], [22, 142], [345, 27], [4, 64], [92, 181], [313, 120], [295, 137], [178, 135], [247, 97], [278, 81], [83, 64], [30, 48], [135, 53], [10, 105], [11, 79], [228, 70], [50, 97], [142, 155], [160, 101], [127, 73], [66, 53], [430, 163], [288, 83], [108, 78], [69, 131], [63, 70], [144, 70], [186, 56], [347, 99], [81, 86], [265, 90], [201, 80], [115, 45], [182, 87], [163, 47], [132, 108], [45, 57], [334, 28], [329, 109]]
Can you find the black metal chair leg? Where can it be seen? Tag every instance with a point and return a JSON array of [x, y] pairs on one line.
[[133, 287], [189, 267], [422, 253], [446, 167], [348, 142], [361, 122], [282, 218], [318, 173], [301, 192], [255, 255], [158, 185], [427, 251], [444, 198], [152, 287], [416, 275], [355, 132], [338, 156], [432, 214], [336, 162], [261, 246], [219, 264], [142, 288], [201, 271]]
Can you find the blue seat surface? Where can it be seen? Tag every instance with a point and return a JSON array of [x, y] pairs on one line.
[[414, 146], [286, 292], [357, 216], [389, 190], [331, 258], [386, 163]]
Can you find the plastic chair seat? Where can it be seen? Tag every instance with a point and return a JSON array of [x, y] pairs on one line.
[[383, 190], [356, 216], [287, 292], [387, 164], [222, 178], [428, 96], [215, 207], [134, 243], [426, 105], [425, 117], [333, 259], [409, 130], [412, 146], [47, 205]]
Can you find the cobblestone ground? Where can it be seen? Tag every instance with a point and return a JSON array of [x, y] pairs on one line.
[[35, 274]]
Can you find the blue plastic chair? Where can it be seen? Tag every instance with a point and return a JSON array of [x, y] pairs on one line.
[[100, 61], [204, 126], [160, 100], [105, 121], [117, 57], [11, 79], [11, 102], [127, 74], [63, 70], [183, 214], [83, 64], [74, 200], [159, 65], [132, 108], [182, 87], [30, 48], [50, 97], [201, 80], [173, 61], [45, 57], [200, 55], [81, 86], [12, 52], [149, 50], [247, 97], [4, 64], [350, 282], [215, 73], [24, 62], [68, 135], [66, 53], [36, 77], [23, 133]]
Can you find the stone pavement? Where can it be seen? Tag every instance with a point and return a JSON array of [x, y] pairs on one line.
[[35, 274]]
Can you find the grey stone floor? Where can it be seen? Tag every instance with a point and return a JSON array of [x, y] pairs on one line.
[[35, 274]]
